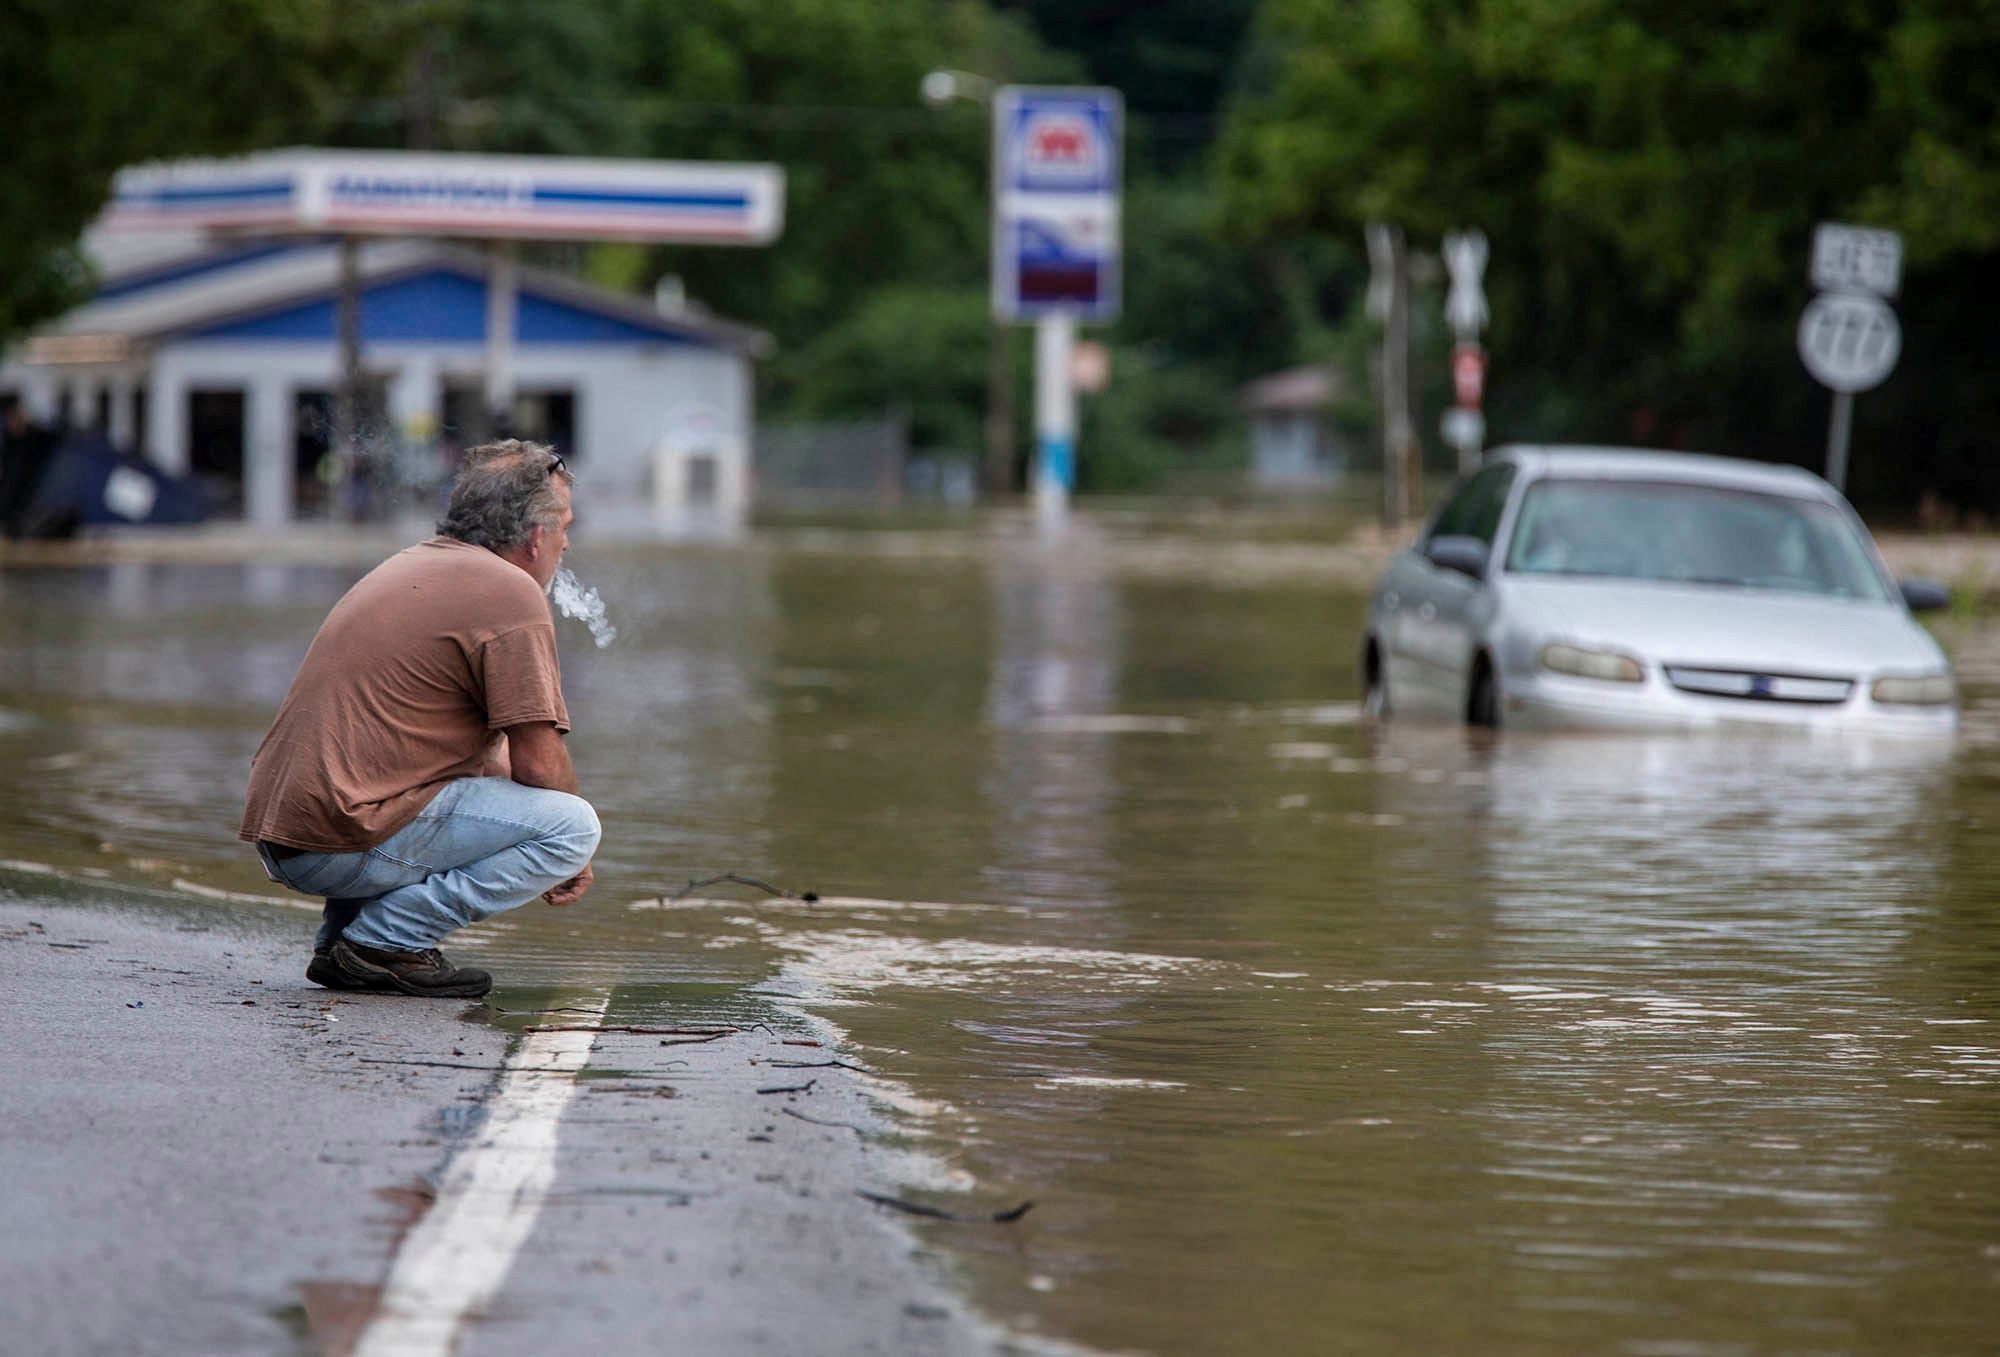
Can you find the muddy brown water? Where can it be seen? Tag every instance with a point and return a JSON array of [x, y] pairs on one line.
[[1305, 1035]]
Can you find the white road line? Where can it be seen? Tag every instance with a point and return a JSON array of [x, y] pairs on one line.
[[455, 1258]]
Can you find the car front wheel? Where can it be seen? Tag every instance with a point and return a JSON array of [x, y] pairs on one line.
[[1482, 707], [1374, 684]]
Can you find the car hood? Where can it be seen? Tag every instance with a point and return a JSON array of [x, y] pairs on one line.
[[1721, 627]]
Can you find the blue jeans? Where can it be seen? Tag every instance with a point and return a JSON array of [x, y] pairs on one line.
[[483, 845]]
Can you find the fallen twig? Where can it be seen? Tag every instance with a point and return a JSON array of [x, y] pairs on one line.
[[816, 1065], [524, 1012], [699, 1033], [692, 886], [806, 1087], [937, 1213], [453, 1065], [820, 1121]]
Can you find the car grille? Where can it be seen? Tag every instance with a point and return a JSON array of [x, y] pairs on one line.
[[1752, 686]]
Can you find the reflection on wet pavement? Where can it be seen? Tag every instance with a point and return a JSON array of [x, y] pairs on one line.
[[1305, 1034]]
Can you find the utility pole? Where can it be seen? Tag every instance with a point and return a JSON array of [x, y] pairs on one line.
[[1389, 303], [1465, 312], [940, 87], [347, 391], [999, 427]]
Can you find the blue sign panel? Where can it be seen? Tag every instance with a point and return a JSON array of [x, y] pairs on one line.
[[1053, 268], [1059, 141], [1056, 169], [449, 193]]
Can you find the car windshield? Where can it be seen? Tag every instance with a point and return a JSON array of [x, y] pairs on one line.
[[1692, 534]]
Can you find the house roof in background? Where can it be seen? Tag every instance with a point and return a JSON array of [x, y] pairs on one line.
[[1313, 386], [412, 291]]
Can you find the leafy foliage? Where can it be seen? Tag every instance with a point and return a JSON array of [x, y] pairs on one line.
[[918, 350], [1649, 173], [92, 86], [1172, 60]]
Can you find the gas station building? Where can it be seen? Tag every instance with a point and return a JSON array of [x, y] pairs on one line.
[[214, 344]]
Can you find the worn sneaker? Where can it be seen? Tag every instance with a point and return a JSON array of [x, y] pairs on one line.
[[425, 973], [322, 971]]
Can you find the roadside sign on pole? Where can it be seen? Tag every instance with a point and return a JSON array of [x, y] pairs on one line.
[[1856, 259], [1849, 341], [1848, 336], [1056, 169], [1465, 302], [1468, 374], [1463, 428], [1465, 311]]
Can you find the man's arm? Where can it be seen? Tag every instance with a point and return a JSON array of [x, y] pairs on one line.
[[538, 758]]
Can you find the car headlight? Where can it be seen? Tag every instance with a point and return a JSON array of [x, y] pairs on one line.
[[1598, 664], [1916, 690]]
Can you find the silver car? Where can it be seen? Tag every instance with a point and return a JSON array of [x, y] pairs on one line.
[[1570, 586]]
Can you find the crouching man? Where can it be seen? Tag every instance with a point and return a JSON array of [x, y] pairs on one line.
[[416, 776]]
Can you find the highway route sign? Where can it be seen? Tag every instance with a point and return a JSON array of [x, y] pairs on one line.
[[1856, 259], [1849, 341], [1464, 429]]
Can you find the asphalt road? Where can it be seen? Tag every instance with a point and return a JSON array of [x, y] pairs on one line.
[[206, 1154]]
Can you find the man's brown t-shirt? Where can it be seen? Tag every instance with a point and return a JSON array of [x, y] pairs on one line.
[[406, 687]]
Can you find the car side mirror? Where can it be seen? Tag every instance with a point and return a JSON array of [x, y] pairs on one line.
[[1466, 555], [1925, 596]]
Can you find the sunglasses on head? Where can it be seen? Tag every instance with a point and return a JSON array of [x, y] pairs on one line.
[[557, 462]]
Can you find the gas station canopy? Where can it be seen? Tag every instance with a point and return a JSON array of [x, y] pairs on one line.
[[453, 194]]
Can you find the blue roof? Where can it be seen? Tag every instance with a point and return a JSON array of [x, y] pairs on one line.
[[443, 305], [181, 270]]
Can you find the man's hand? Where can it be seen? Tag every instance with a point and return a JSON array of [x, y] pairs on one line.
[[570, 891]]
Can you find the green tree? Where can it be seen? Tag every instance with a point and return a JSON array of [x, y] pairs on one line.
[[918, 350], [880, 190], [92, 86], [885, 198], [1172, 60], [1649, 174]]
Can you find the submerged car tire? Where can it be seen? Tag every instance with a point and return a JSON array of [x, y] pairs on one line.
[[1374, 685], [1482, 707]]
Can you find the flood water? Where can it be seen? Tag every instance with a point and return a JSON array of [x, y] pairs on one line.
[[1305, 1035]]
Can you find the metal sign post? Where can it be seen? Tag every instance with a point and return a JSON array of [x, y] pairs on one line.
[[502, 308], [1465, 311], [1848, 336], [1056, 169], [1389, 304]]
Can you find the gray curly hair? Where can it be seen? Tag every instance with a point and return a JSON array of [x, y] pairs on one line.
[[503, 492]]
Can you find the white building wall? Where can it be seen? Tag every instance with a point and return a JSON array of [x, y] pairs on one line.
[[644, 413], [121, 433], [40, 387], [35, 384], [166, 414], [650, 417], [268, 492], [631, 403], [1286, 452]]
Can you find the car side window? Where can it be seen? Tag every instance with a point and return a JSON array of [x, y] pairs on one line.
[[1493, 502], [1474, 511]]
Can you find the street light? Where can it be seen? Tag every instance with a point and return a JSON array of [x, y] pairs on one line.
[[939, 88], [942, 86]]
